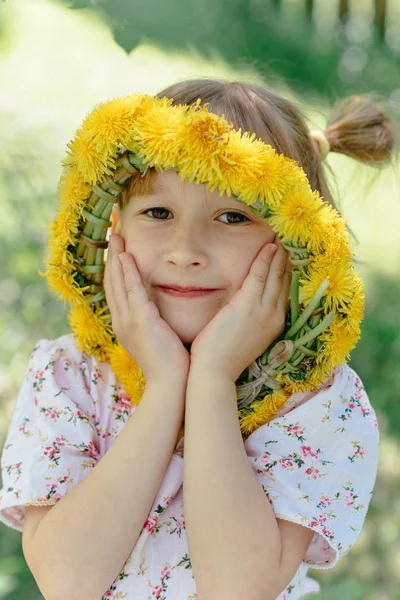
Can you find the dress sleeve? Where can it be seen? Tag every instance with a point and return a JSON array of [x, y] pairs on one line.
[[51, 444], [318, 463]]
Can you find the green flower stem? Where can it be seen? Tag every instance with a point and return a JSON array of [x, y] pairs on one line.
[[294, 295], [300, 262], [304, 352], [308, 310], [288, 368], [296, 354], [101, 234], [325, 323], [308, 351], [264, 357]]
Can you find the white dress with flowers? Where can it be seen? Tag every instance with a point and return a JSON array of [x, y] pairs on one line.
[[316, 462]]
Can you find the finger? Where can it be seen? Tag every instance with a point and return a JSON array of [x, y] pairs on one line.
[[284, 296], [107, 282], [116, 276], [136, 293], [275, 277], [258, 273]]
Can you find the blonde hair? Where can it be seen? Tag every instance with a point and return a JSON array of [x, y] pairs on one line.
[[357, 127]]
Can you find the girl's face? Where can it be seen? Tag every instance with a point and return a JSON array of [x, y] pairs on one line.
[[183, 234]]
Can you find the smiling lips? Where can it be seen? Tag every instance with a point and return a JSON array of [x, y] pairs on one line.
[[186, 291]]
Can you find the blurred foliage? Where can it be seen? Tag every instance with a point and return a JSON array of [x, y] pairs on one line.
[[323, 54], [33, 141]]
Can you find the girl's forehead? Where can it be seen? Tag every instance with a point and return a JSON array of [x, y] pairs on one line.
[[169, 182]]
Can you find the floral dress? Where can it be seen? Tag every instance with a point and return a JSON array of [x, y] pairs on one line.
[[316, 462]]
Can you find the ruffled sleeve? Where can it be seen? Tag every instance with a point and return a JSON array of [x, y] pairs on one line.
[[318, 463], [51, 444]]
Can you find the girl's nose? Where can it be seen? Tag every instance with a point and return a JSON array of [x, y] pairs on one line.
[[188, 246]]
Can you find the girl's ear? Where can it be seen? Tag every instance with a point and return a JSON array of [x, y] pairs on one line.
[[116, 219]]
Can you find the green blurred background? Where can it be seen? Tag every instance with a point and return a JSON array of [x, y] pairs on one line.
[[57, 59]]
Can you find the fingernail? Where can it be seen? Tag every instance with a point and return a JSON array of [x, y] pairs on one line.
[[273, 247]]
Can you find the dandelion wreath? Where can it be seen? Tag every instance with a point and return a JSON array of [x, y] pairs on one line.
[[128, 135]]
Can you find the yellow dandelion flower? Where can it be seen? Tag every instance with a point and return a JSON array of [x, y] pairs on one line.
[[338, 341], [64, 229], [92, 335], [234, 160], [329, 232], [270, 176], [61, 281], [294, 216], [354, 311], [341, 282], [128, 373], [262, 412], [200, 141], [73, 191], [158, 131], [91, 164], [112, 122], [293, 387]]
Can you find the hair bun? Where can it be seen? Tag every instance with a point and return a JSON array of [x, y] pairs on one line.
[[359, 128]]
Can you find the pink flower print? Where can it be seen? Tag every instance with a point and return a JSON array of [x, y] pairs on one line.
[[365, 411], [295, 430], [50, 413], [166, 572], [38, 380], [151, 524], [92, 450], [50, 452], [313, 523], [351, 405], [350, 498], [324, 501], [96, 376], [285, 463], [157, 591], [322, 519], [328, 533], [306, 451], [179, 525], [313, 472], [359, 452]]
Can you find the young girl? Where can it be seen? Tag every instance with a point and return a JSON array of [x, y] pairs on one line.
[[126, 466]]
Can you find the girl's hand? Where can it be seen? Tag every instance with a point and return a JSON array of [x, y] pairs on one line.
[[254, 317], [136, 320]]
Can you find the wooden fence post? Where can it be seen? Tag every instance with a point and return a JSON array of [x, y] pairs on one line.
[[309, 9], [380, 18], [343, 10]]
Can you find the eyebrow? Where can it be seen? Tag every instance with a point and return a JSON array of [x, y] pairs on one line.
[[159, 187]]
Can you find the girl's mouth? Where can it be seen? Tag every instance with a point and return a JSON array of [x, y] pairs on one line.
[[189, 294]]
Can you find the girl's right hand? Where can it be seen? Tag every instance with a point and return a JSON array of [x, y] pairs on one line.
[[136, 320]]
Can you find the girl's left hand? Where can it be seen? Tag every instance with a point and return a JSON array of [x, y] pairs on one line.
[[254, 317]]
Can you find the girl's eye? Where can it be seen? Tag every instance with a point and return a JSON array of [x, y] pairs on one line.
[[157, 209], [235, 214], [160, 209]]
